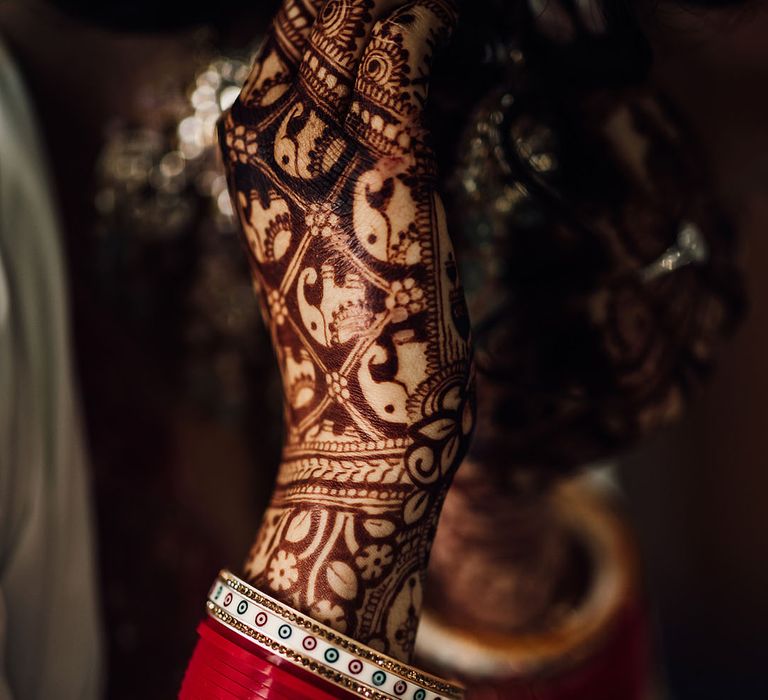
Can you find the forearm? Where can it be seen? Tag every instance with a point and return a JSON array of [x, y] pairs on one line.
[[350, 250], [373, 437]]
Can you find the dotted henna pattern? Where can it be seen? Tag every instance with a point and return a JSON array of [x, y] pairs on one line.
[[335, 189]]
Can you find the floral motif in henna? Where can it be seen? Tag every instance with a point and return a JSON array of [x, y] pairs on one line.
[[347, 238]]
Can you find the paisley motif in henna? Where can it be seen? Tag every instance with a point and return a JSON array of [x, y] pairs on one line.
[[335, 189]]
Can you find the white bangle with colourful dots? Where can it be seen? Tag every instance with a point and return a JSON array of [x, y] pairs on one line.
[[319, 649]]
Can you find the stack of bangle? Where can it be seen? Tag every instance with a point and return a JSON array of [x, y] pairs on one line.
[[252, 646]]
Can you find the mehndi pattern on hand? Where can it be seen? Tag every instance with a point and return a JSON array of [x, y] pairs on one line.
[[335, 187]]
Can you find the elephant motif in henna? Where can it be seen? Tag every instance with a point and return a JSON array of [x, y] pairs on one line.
[[267, 227], [389, 397], [305, 146], [382, 215], [299, 377], [343, 311]]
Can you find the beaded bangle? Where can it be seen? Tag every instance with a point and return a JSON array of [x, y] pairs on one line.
[[315, 648]]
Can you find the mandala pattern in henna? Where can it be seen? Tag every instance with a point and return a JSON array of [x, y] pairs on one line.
[[347, 236]]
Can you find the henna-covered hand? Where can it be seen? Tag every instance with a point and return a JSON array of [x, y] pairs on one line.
[[334, 185]]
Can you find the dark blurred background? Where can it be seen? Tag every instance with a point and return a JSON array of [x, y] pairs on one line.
[[697, 493], [182, 457]]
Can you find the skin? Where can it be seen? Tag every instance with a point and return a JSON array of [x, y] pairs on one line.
[[335, 188]]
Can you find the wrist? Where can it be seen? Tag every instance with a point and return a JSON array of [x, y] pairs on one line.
[[358, 567], [253, 645], [347, 536]]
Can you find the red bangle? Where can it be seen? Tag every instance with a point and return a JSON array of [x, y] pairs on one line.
[[224, 665], [253, 646]]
